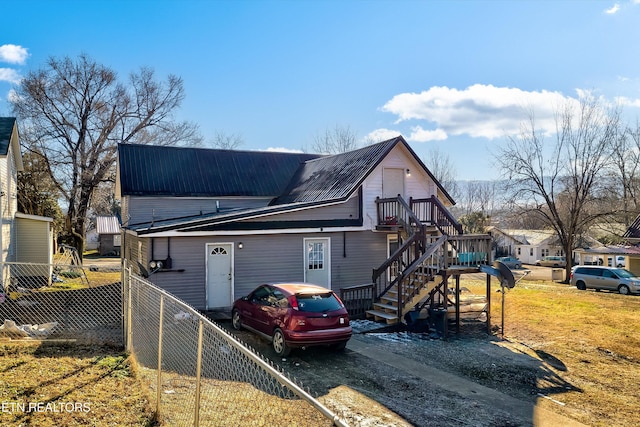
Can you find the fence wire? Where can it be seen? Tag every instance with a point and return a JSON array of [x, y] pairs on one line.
[[47, 301], [200, 375]]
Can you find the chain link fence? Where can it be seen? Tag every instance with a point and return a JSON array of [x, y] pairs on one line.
[[53, 301], [200, 375]]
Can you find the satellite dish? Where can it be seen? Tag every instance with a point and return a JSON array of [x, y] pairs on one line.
[[505, 275], [502, 272]]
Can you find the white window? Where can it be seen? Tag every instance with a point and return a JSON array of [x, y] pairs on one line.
[[315, 255]]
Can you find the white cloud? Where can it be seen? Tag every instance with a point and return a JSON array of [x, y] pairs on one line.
[[613, 9], [477, 111], [9, 75], [12, 96], [627, 102], [283, 150], [419, 134], [13, 54], [380, 135]]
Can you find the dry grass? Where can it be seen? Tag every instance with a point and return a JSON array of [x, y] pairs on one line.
[[48, 384], [590, 340], [227, 403]]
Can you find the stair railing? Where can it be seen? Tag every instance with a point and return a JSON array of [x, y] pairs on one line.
[[431, 211], [396, 211], [421, 271]]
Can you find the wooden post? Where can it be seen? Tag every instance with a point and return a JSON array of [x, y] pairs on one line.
[[457, 304], [488, 304]]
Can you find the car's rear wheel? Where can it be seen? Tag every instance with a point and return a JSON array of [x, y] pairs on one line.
[[623, 289], [279, 344], [340, 346], [235, 320], [581, 285]]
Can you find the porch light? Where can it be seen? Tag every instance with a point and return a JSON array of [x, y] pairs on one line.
[[240, 245], [408, 172]]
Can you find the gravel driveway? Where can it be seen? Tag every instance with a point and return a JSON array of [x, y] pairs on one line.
[[387, 377]]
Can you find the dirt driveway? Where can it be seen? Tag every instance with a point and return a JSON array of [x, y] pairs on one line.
[[388, 377]]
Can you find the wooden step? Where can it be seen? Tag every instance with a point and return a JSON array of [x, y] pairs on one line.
[[389, 308], [381, 316]]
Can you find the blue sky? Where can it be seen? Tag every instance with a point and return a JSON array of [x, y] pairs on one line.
[[456, 76]]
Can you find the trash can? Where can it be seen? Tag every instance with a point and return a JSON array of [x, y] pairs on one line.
[[438, 319], [415, 323], [557, 274]]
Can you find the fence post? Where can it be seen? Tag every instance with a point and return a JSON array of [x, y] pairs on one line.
[[159, 380], [196, 418], [129, 312]]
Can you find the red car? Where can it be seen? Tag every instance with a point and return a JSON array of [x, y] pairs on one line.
[[294, 315]]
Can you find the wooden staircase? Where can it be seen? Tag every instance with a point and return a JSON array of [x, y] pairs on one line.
[[387, 309], [410, 275]]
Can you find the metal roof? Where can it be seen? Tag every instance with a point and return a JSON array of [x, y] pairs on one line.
[[294, 181], [7, 125], [147, 170], [107, 225], [613, 250], [334, 177]]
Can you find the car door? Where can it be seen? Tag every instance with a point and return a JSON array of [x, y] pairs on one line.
[[609, 280], [251, 312]]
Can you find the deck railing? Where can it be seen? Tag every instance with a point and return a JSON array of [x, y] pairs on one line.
[[358, 299]]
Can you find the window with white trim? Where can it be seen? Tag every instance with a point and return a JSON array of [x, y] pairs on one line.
[[315, 256]]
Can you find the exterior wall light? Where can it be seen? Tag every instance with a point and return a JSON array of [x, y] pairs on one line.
[[240, 245], [408, 172]]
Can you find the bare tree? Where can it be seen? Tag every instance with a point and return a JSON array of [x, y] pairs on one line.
[[224, 141], [337, 140], [559, 182], [37, 194], [623, 179], [75, 112], [443, 169]]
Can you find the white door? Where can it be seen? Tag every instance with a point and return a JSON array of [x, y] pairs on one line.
[[392, 182], [219, 275], [317, 269]]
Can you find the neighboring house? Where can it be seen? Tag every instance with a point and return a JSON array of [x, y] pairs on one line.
[[10, 165], [504, 243], [529, 245], [109, 238], [23, 238], [210, 225], [613, 256]]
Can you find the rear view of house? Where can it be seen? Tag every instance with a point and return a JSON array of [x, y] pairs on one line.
[[210, 225]]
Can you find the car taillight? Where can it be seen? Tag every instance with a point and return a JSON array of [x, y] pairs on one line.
[[293, 302], [297, 322]]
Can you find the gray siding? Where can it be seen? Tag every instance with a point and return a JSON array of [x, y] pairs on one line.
[[146, 209], [347, 210], [263, 258]]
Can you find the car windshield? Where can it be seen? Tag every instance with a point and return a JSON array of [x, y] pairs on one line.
[[626, 274], [318, 303]]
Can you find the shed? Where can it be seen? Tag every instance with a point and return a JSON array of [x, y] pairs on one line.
[[109, 239]]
